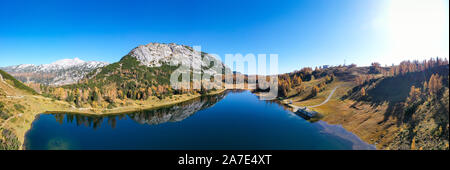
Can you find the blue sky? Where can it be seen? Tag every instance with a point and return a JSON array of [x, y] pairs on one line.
[[303, 33]]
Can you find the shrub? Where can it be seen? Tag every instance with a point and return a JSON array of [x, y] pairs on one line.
[[19, 108], [9, 141]]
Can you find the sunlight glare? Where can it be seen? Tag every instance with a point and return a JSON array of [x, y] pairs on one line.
[[418, 29]]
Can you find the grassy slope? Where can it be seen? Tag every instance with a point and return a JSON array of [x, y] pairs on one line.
[[16, 83], [377, 121], [19, 105]]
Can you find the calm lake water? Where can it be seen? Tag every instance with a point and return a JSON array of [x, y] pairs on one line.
[[233, 120]]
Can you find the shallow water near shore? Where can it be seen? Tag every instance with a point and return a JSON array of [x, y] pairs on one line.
[[235, 120]]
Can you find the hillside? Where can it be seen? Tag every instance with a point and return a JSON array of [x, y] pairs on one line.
[[10, 84], [19, 105], [398, 107], [417, 102]]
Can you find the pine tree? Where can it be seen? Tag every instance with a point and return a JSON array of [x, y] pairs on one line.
[[363, 91], [315, 90], [414, 95], [297, 80], [413, 143], [435, 83]]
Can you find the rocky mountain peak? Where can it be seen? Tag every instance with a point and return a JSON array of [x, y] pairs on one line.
[[156, 54]]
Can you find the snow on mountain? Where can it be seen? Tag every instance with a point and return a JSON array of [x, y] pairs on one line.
[[61, 72]]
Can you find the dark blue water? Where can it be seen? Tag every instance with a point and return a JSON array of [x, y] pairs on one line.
[[233, 120]]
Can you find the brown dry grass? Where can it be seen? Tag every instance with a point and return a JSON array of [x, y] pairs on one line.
[[366, 121]]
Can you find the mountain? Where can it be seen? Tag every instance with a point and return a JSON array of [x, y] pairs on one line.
[[157, 54], [61, 72], [144, 72], [152, 64]]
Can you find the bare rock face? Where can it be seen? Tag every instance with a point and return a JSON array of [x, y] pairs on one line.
[[61, 72], [157, 54]]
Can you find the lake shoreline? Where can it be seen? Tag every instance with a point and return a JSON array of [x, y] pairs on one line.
[[332, 122], [136, 108], [127, 109], [63, 107], [336, 138]]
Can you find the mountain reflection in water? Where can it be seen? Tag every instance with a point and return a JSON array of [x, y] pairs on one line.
[[173, 113], [232, 120]]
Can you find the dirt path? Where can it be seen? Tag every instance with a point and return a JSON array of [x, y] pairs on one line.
[[328, 98], [295, 108]]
